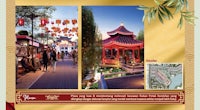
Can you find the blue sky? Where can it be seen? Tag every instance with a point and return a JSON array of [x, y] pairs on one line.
[[65, 12], [62, 13], [109, 18]]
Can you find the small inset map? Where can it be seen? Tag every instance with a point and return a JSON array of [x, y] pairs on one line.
[[164, 76]]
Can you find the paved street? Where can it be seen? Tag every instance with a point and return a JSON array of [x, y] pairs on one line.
[[65, 77]]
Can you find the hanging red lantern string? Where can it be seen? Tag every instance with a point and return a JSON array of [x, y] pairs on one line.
[[74, 21], [53, 28], [43, 21], [58, 29], [65, 30], [58, 21], [21, 21], [53, 34], [66, 21], [74, 29]]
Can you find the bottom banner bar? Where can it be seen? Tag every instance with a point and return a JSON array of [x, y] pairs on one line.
[[101, 97]]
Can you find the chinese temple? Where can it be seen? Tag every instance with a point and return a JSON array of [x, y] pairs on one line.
[[121, 43]]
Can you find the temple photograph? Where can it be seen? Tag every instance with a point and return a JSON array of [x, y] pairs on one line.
[[112, 47]]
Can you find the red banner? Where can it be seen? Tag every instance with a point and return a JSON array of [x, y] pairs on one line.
[[101, 97]]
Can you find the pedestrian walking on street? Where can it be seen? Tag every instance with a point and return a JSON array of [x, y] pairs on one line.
[[74, 55], [66, 52], [58, 55], [37, 60], [49, 56], [45, 59], [62, 55], [54, 60]]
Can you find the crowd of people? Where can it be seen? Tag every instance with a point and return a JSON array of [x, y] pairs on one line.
[[47, 57]]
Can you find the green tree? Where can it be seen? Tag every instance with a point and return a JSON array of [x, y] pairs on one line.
[[141, 35], [91, 43]]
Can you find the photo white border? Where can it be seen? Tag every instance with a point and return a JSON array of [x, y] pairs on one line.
[[196, 56], [3, 54]]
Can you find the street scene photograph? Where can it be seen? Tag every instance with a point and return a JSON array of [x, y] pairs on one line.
[[112, 47], [46, 47]]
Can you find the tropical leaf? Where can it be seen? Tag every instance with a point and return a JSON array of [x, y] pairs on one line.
[[143, 18], [180, 23], [181, 1], [160, 17], [149, 17], [154, 13], [162, 14], [178, 9], [189, 17], [187, 5], [164, 9], [157, 2], [187, 12], [190, 22], [143, 8], [171, 2], [165, 2]]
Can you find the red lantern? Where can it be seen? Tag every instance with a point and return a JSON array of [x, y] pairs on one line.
[[52, 22], [53, 34], [53, 28], [74, 21], [74, 29], [43, 21], [58, 21], [58, 29], [66, 21], [65, 30], [21, 21]]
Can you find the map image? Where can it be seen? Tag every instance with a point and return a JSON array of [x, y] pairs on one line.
[[165, 76]]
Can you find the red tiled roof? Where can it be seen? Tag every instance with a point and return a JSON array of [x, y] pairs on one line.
[[122, 40], [120, 30], [23, 37], [122, 37]]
